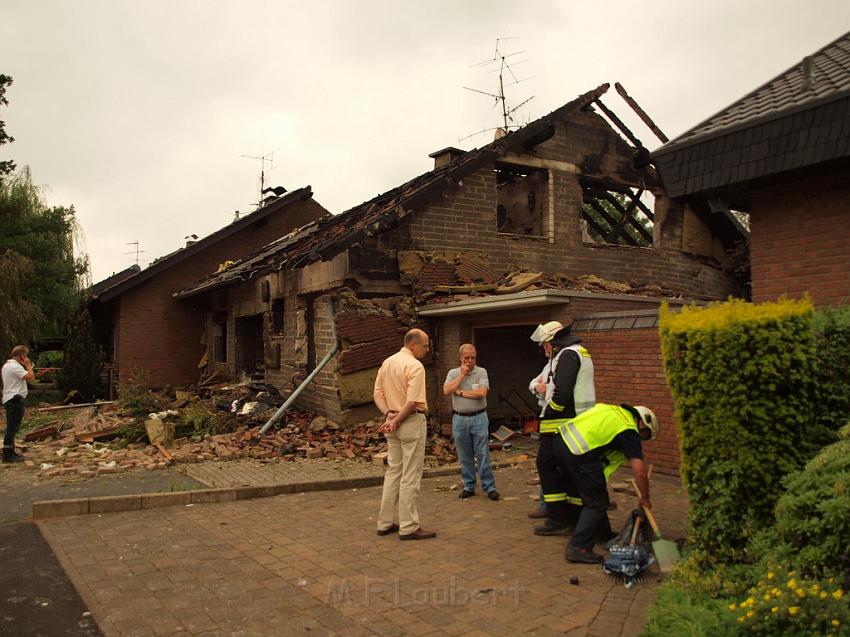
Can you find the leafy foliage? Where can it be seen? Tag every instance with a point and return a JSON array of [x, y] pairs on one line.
[[743, 382], [7, 166], [781, 603], [136, 398], [83, 359], [832, 330], [18, 314]]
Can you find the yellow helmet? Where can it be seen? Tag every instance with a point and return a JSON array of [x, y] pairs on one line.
[[649, 419], [546, 332]]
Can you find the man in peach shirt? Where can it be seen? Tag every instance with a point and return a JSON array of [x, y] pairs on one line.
[[400, 394]]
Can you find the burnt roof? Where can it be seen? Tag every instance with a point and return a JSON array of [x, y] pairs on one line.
[[324, 239], [172, 259], [798, 119]]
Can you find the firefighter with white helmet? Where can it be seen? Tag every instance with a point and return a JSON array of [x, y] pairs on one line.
[[589, 448], [564, 389]]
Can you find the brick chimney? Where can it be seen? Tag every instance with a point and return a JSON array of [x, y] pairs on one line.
[[446, 155]]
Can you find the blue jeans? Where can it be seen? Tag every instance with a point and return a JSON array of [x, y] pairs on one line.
[[472, 438]]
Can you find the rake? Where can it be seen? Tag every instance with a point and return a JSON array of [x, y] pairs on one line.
[[628, 561], [666, 551]]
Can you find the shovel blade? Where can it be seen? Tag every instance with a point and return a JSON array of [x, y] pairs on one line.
[[666, 553]]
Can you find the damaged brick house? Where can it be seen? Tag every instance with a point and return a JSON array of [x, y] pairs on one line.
[[552, 221], [143, 328], [782, 154]]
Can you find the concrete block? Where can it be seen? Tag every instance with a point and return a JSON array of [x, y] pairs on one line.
[[59, 508], [113, 503], [204, 496], [155, 500]]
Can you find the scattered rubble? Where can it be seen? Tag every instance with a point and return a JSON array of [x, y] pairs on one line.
[[205, 423]]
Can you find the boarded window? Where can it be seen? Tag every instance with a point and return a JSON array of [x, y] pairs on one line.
[[617, 214], [522, 198], [219, 335], [277, 317]]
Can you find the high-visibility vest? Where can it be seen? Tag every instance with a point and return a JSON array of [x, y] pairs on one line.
[[595, 428], [584, 392]]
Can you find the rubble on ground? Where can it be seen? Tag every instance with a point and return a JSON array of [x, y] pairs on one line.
[[212, 423]]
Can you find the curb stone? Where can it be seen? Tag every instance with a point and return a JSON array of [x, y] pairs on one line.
[[46, 509]]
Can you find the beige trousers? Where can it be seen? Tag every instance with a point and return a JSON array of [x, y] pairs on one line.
[[405, 456]]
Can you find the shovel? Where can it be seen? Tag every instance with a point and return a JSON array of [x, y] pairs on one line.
[[666, 551]]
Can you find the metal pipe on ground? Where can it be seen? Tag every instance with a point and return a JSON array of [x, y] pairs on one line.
[[282, 409]]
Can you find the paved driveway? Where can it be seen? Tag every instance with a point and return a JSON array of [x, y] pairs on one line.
[[312, 564]]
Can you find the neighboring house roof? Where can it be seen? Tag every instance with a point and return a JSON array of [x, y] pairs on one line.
[[326, 238], [798, 119], [104, 293], [111, 281]]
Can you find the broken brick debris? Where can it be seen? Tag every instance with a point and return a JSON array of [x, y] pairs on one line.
[[94, 442]]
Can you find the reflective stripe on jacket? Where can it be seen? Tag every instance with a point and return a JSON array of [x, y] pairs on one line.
[[595, 427]]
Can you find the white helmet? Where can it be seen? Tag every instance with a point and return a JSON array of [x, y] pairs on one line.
[[649, 419], [546, 332]]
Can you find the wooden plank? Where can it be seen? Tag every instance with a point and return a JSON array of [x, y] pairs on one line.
[[80, 405], [164, 452], [641, 113]]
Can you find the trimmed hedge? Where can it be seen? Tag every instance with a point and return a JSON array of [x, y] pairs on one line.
[[744, 383]]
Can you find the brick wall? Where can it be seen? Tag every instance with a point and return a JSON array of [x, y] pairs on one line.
[[628, 369], [800, 231], [465, 219], [162, 336]]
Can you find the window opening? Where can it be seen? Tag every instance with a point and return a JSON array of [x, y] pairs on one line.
[[522, 198], [618, 214], [219, 338], [277, 316]]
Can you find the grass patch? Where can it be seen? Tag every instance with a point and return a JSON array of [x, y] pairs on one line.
[[680, 613]]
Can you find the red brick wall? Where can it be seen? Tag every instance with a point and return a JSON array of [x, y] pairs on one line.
[[800, 233], [628, 369], [162, 336]]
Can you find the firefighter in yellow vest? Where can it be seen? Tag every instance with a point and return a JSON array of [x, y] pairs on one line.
[[570, 392], [591, 447]]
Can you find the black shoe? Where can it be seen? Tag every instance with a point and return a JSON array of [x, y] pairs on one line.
[[465, 494], [12, 457], [583, 556], [393, 528], [494, 495], [553, 528]]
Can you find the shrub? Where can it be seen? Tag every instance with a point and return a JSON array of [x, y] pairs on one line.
[[196, 422], [784, 604], [832, 330], [742, 379], [83, 359], [678, 612], [812, 530], [136, 398]]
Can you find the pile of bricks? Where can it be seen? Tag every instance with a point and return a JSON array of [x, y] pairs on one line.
[[90, 443]]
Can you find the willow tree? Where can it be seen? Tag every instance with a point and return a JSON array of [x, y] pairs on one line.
[[43, 278]]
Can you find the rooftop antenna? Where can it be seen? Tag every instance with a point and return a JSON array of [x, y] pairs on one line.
[[136, 251], [507, 77], [268, 157]]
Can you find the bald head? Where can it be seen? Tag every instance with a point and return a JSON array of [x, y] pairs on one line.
[[417, 342]]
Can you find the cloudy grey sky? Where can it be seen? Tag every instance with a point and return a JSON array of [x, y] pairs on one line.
[[138, 112]]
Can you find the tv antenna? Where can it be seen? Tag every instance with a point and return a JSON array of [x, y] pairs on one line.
[[137, 252], [268, 157], [507, 77]]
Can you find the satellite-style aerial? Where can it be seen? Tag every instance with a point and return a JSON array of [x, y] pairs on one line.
[[505, 68]]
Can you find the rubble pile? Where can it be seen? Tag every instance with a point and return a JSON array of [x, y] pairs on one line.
[[211, 423]]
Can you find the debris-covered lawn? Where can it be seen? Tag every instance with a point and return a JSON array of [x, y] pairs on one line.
[[207, 423]]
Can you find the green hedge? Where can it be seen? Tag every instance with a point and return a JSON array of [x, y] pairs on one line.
[[832, 331], [743, 380]]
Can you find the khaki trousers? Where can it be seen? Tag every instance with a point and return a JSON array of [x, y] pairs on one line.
[[405, 457]]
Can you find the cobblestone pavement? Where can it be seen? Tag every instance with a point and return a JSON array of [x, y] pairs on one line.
[[312, 564], [254, 473]]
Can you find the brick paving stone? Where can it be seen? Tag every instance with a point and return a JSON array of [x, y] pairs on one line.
[[308, 562]]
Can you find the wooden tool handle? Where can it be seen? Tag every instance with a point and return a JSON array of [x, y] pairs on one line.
[[646, 510], [635, 530]]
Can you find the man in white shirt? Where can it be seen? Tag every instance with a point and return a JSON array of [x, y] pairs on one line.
[[15, 374]]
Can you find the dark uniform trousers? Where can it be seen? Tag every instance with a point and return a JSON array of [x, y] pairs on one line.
[[586, 473], [559, 493]]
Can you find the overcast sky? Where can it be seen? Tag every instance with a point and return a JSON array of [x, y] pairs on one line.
[[138, 113]]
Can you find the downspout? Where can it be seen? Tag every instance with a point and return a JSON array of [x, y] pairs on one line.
[[331, 353]]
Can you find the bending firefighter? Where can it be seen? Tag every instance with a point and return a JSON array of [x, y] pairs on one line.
[[570, 392], [590, 448]]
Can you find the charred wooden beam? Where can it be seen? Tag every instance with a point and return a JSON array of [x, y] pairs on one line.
[[618, 123], [543, 135], [625, 215], [641, 113], [637, 225]]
